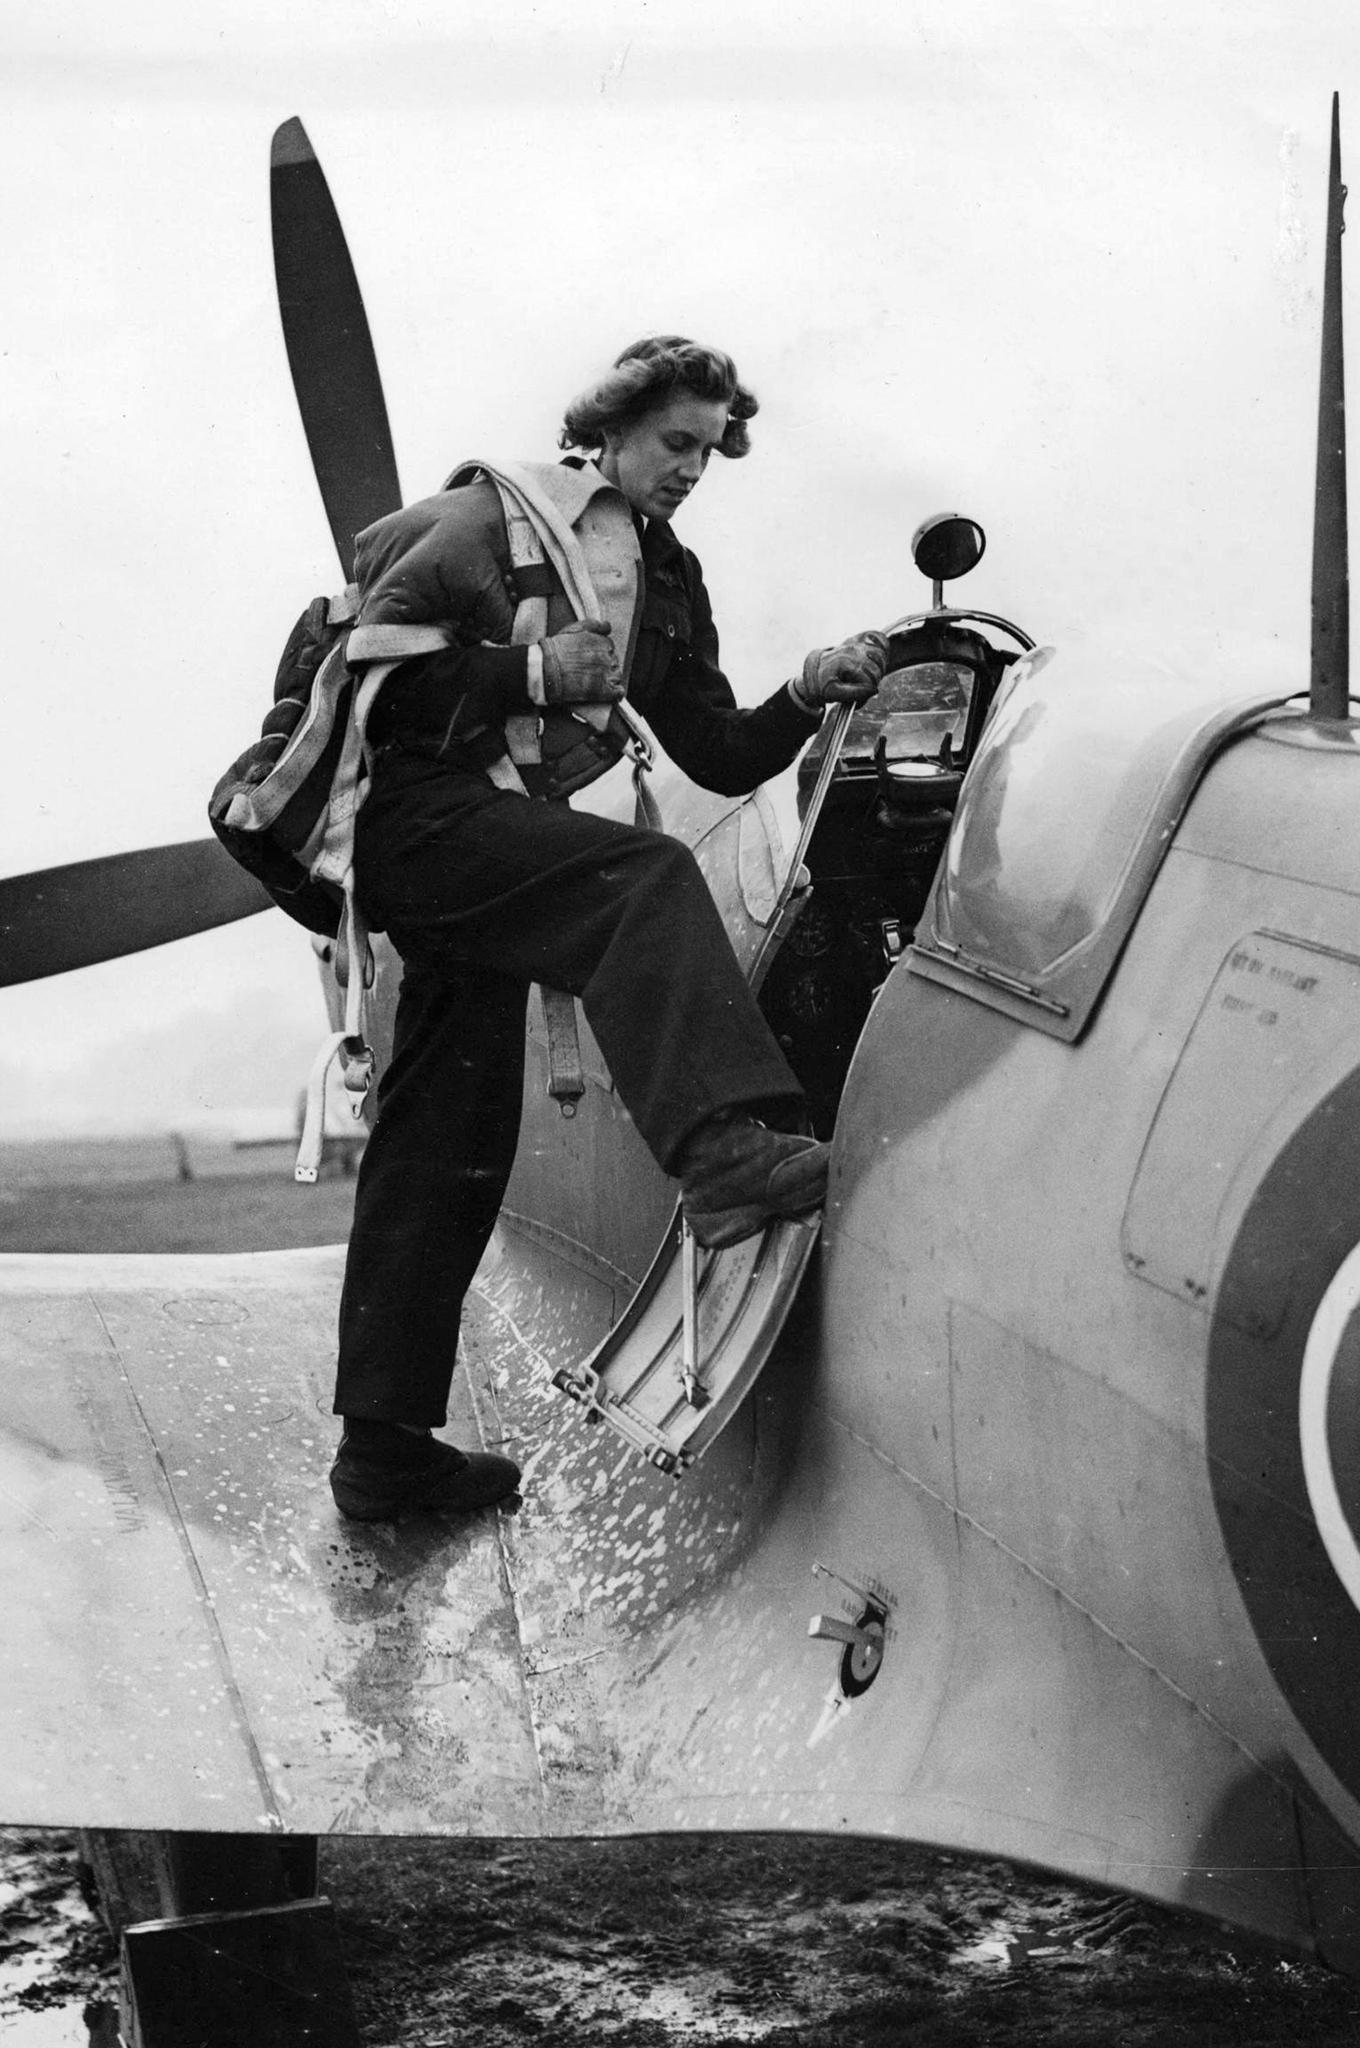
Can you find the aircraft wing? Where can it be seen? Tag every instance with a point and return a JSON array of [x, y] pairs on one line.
[[196, 1640], [192, 1637]]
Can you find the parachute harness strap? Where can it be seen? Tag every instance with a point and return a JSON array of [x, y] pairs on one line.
[[354, 971], [566, 1074], [380, 648], [646, 810], [531, 623]]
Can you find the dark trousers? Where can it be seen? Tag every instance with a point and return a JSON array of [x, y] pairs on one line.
[[483, 892]]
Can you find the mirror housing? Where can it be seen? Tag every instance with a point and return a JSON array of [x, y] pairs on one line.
[[946, 545]]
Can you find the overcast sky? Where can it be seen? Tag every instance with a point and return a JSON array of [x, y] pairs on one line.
[[1057, 265]]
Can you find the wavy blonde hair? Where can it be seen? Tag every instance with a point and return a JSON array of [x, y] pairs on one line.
[[645, 376]]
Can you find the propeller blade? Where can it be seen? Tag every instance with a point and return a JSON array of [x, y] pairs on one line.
[[330, 351], [59, 918]]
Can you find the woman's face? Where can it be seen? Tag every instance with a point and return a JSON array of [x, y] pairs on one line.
[[658, 460]]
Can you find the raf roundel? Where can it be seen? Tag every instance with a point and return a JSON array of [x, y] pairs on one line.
[[1329, 1421]]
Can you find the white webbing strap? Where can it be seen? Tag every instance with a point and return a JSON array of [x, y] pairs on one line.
[[505, 775], [614, 560], [353, 963], [610, 529], [646, 810], [394, 643], [255, 810], [333, 861], [329, 852], [531, 622], [581, 524], [586, 530], [522, 741], [308, 1162]]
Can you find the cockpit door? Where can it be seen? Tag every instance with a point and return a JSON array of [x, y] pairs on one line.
[[692, 1342]]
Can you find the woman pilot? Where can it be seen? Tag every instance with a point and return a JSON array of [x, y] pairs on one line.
[[483, 892]]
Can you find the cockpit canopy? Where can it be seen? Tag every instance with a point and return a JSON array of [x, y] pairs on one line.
[[1072, 798]]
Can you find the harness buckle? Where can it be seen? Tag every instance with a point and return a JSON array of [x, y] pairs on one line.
[[639, 744], [357, 1068]]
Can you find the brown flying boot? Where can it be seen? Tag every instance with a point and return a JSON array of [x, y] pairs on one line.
[[736, 1176]]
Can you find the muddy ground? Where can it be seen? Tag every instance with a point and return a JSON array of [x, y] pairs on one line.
[[636, 1944], [728, 1940]]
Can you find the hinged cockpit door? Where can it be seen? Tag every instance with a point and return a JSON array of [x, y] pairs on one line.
[[691, 1344]]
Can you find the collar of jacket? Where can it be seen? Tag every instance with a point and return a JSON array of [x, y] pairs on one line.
[[660, 548]]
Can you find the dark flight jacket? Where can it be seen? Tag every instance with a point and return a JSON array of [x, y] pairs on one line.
[[436, 704]]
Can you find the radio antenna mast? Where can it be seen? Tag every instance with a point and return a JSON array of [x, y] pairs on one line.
[[1330, 685]]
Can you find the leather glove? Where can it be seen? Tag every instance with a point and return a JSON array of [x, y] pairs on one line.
[[845, 674], [580, 666]]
